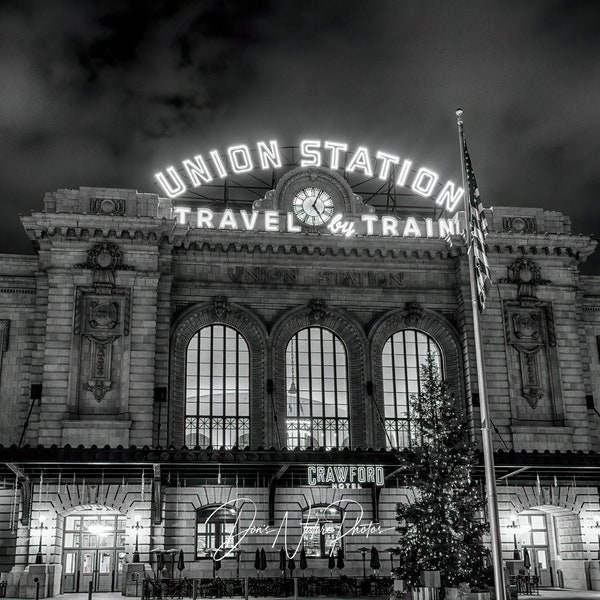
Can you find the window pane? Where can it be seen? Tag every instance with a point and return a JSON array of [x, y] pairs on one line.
[[220, 384], [316, 383], [402, 357]]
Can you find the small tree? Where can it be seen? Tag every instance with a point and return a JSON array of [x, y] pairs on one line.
[[442, 528]]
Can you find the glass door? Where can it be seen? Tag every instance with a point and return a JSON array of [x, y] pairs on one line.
[[94, 551], [535, 536], [71, 569], [88, 569]]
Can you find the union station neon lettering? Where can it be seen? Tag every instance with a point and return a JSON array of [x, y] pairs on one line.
[[313, 153], [273, 221]]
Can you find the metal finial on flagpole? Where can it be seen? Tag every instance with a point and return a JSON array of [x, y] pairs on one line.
[[459, 114]]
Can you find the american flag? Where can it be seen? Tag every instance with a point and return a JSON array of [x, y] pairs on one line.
[[479, 231]]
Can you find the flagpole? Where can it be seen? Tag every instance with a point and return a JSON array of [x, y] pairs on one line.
[[486, 430]]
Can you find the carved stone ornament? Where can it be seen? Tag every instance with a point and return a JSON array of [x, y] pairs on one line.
[[519, 224], [413, 313], [527, 327], [527, 331], [524, 270], [317, 310], [99, 388], [103, 315], [526, 274], [105, 256], [100, 366], [219, 306], [107, 206]]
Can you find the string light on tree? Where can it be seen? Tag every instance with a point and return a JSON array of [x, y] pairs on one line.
[[442, 528]]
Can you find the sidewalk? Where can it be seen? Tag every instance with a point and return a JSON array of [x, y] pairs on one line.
[[555, 593]]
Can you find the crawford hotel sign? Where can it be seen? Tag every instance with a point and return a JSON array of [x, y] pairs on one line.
[[313, 202]]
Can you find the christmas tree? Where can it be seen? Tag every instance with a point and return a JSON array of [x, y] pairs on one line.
[[442, 528]]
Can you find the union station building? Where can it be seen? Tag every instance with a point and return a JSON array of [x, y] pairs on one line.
[[233, 370]]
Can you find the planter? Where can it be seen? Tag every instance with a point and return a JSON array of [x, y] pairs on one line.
[[480, 596], [431, 579], [398, 585], [451, 593]]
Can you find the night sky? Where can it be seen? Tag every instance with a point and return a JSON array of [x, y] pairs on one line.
[[107, 93]]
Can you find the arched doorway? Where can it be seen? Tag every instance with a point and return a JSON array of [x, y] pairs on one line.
[[93, 549], [554, 539]]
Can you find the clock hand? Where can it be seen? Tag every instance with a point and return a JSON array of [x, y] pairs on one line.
[[314, 204]]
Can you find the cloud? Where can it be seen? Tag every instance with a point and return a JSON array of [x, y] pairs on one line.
[[108, 93]]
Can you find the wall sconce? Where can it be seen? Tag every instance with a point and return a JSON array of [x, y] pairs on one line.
[[137, 527], [39, 556]]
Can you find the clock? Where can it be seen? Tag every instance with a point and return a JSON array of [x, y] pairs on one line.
[[313, 206]]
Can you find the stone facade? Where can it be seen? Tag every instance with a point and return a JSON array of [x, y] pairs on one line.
[[94, 327]]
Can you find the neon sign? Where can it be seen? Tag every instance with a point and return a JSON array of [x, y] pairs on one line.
[[345, 476], [273, 221], [239, 159]]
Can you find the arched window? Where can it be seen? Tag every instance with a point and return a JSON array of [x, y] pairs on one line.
[[215, 529], [317, 390], [321, 530], [217, 409], [403, 354]]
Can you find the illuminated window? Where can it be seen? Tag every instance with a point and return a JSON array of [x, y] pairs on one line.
[[403, 355], [317, 390], [322, 528], [217, 410], [215, 529]]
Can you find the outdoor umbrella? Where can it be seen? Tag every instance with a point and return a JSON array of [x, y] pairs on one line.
[[257, 561], [180, 563], [303, 561], [282, 562], [172, 552], [340, 559], [160, 564], [291, 565], [331, 562], [374, 563], [526, 559], [263, 559]]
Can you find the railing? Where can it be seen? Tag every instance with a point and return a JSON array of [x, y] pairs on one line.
[[265, 587]]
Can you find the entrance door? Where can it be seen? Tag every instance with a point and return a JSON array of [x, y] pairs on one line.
[[94, 551], [71, 568], [534, 531], [88, 569]]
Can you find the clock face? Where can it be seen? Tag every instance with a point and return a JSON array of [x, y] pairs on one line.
[[313, 206]]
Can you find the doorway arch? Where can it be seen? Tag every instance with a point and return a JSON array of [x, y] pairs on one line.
[[93, 549], [555, 540]]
